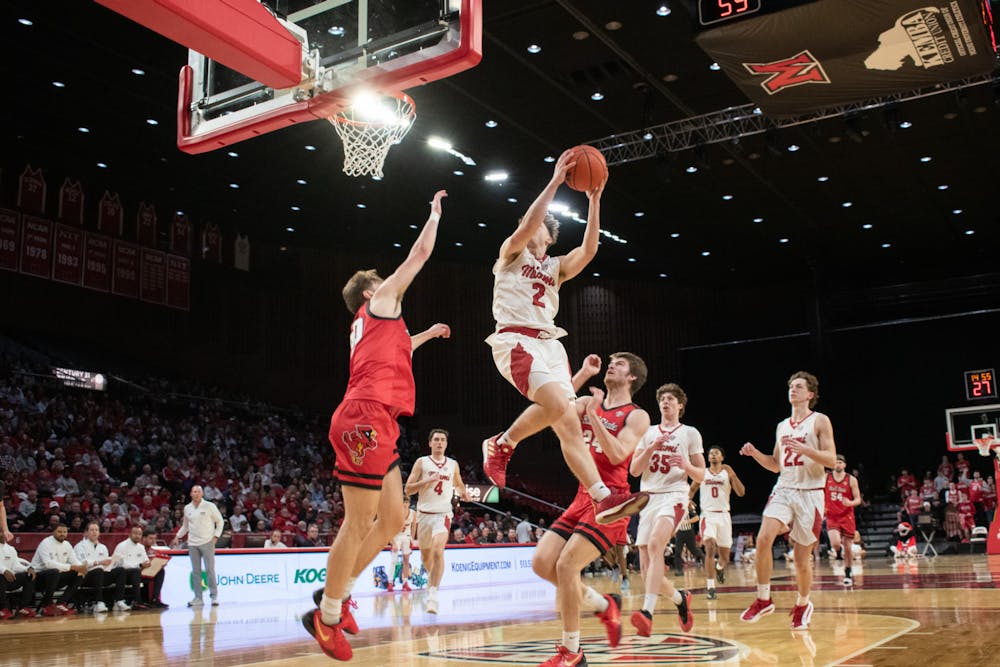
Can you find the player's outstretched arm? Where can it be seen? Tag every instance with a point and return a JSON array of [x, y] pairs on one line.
[[767, 462], [535, 215], [735, 481], [577, 259], [437, 331], [389, 295], [591, 367]]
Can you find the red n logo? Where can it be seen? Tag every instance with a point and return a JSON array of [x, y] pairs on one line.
[[790, 72]]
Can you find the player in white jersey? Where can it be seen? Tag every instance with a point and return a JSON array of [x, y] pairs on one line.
[[526, 348], [803, 448], [666, 456], [435, 478], [401, 545], [716, 527]]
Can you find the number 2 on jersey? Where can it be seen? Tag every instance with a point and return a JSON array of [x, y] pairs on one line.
[[539, 293], [793, 459]]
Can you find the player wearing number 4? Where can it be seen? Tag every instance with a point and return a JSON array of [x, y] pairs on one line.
[[435, 478], [526, 348], [803, 448], [716, 527], [363, 432]]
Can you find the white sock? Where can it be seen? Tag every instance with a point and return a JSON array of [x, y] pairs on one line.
[[330, 609], [801, 601], [720, 567], [571, 640], [505, 439], [349, 587], [710, 583], [649, 602], [432, 591], [763, 591], [677, 598], [599, 491], [594, 600]]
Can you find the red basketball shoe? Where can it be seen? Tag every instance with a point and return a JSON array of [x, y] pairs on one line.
[[684, 611], [642, 621], [347, 621], [801, 615], [619, 505], [496, 456], [612, 619], [329, 637], [758, 610], [564, 658]]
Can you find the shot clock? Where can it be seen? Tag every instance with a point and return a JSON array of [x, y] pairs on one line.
[[980, 384], [716, 11]]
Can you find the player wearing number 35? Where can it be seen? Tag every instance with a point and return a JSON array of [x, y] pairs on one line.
[[803, 448], [435, 479], [363, 432]]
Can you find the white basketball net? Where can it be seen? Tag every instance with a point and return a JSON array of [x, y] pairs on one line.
[[369, 128]]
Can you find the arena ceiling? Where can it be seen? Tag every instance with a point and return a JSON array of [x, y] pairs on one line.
[[751, 210]]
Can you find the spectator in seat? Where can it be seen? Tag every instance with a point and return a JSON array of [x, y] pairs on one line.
[[904, 483], [511, 536], [95, 555], [311, 538], [274, 541], [945, 468], [962, 467], [15, 573], [977, 489], [152, 585], [457, 537], [57, 566], [129, 559], [239, 521], [913, 505]]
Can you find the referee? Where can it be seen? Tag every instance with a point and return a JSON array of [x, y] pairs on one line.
[[203, 525]]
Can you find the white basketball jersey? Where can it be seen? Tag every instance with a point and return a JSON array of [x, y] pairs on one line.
[[659, 476], [526, 293], [798, 471], [436, 499], [714, 491]]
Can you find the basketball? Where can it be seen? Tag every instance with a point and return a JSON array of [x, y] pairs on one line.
[[589, 171]]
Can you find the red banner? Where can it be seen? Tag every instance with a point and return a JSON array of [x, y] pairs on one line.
[[71, 202], [97, 267], [178, 282], [68, 266], [145, 225], [10, 228], [153, 276], [125, 279], [110, 215], [180, 235], [36, 247], [31, 190]]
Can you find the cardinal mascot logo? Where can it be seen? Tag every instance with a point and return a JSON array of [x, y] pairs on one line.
[[359, 441]]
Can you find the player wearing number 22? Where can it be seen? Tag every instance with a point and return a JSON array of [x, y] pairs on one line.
[[363, 432], [435, 478], [803, 448]]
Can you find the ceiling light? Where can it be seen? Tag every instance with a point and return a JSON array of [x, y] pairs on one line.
[[491, 123], [957, 211], [926, 158], [675, 235], [705, 253], [632, 260], [758, 219], [85, 130], [234, 186], [663, 10], [26, 22], [638, 214], [549, 158], [613, 25], [970, 232], [581, 35], [362, 206], [670, 78], [481, 224], [296, 208], [596, 274], [58, 84], [233, 154], [152, 121], [138, 72], [823, 179], [714, 67], [886, 245], [942, 187], [512, 200], [867, 225], [376, 177], [793, 148], [757, 111], [439, 143], [289, 229], [692, 169], [648, 136], [847, 204], [534, 48], [102, 165], [336, 30], [496, 176], [180, 212], [458, 243], [458, 172], [414, 227], [397, 245], [906, 125], [727, 197], [301, 181], [310, 147], [558, 207], [782, 240], [597, 96], [663, 275]]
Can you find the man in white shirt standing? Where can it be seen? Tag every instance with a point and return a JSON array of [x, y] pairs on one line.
[[94, 554], [15, 573], [129, 558], [203, 525], [57, 566]]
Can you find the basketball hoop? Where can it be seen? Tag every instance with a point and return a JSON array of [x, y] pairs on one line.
[[369, 128], [985, 444]]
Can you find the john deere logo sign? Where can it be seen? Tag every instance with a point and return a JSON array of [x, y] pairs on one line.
[[309, 575], [204, 583]]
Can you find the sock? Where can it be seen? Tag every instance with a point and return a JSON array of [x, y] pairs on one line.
[[599, 491], [710, 583], [594, 600], [330, 609], [720, 567], [571, 641], [649, 602], [763, 591], [349, 587], [677, 598], [505, 439], [801, 601], [432, 592]]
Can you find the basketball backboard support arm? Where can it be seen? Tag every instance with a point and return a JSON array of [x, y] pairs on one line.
[[241, 34]]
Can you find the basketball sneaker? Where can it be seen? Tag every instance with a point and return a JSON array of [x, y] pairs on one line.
[[612, 619], [685, 617], [389, 588], [63, 610], [329, 637], [712, 595], [565, 658], [406, 586], [720, 574], [432, 606], [25, 612], [5, 614], [758, 610], [347, 622], [642, 621], [496, 456], [801, 615], [848, 579], [619, 505]]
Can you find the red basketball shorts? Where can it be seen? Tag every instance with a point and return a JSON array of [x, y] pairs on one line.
[[579, 518], [363, 435], [844, 523]]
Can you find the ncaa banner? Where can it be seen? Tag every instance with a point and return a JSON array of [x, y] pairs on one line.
[[835, 52]]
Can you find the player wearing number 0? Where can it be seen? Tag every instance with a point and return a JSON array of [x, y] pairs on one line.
[[803, 448], [842, 496], [435, 478], [716, 527], [667, 455], [526, 348], [611, 426], [363, 432]]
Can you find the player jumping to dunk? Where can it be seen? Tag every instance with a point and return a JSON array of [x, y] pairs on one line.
[[526, 348]]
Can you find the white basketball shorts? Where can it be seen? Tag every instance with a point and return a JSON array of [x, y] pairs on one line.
[[672, 504], [717, 526], [799, 509], [529, 363]]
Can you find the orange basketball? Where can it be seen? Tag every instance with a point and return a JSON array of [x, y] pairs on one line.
[[589, 171]]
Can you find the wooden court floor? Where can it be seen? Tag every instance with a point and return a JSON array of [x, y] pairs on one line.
[[943, 611]]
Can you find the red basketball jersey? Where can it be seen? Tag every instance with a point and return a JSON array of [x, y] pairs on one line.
[[836, 494], [381, 362], [613, 420]]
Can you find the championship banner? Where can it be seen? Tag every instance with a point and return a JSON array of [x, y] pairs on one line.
[[110, 214], [145, 225], [36, 247], [178, 282], [71, 202], [97, 262], [68, 266], [10, 228], [31, 190], [180, 235], [125, 279], [834, 52], [153, 276]]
